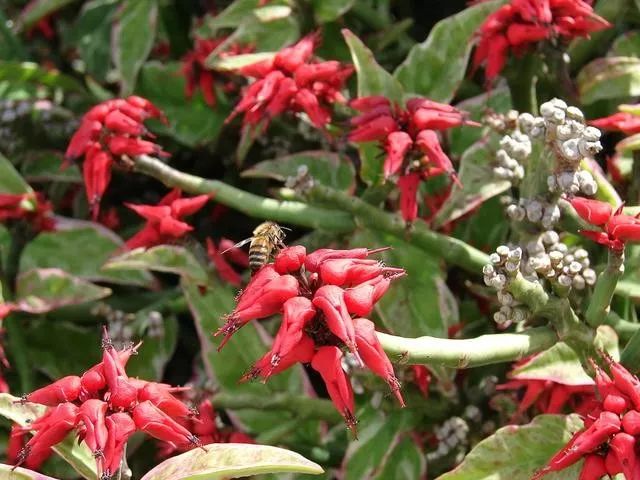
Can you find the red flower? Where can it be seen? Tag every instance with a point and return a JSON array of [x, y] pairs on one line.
[[409, 139], [164, 221], [32, 207], [319, 317], [196, 73], [624, 122], [617, 228], [608, 439], [522, 23], [94, 406], [109, 131], [223, 255], [292, 81]]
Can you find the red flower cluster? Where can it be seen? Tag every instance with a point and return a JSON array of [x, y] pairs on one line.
[[624, 122], [107, 132], [521, 23], [164, 221], [617, 228], [292, 81], [32, 207], [196, 73], [409, 139], [206, 428], [322, 297], [611, 429], [219, 255], [105, 407]]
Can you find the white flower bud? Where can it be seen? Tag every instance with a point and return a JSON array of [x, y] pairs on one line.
[[503, 251], [564, 280], [591, 134], [550, 237], [578, 282], [574, 113], [589, 276], [570, 149]]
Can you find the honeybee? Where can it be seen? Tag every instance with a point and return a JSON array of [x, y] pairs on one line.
[[267, 240]]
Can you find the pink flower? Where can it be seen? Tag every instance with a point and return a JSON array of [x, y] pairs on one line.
[[164, 221], [292, 81]]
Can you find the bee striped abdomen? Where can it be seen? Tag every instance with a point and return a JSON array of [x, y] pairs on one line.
[[258, 256]]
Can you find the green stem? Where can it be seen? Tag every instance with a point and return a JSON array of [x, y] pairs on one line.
[[522, 85], [304, 407], [630, 357], [532, 294], [296, 213], [604, 289], [606, 192], [452, 250], [483, 350], [624, 328]]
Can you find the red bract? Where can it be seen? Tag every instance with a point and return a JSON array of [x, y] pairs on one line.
[[319, 317], [108, 133], [292, 81], [164, 221], [609, 437], [617, 228], [31, 207], [522, 23], [196, 73], [410, 141], [105, 407], [624, 122]]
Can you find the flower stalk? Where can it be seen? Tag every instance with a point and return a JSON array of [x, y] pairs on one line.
[[605, 288]]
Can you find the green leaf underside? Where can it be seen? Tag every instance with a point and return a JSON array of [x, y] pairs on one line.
[[229, 460], [12, 473], [516, 452], [609, 78], [10, 180], [77, 455], [560, 364]]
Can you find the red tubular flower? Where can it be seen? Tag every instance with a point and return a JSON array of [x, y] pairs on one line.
[[160, 395], [67, 389], [108, 132], [292, 81], [317, 319], [374, 356], [154, 422], [408, 185], [327, 362], [627, 123], [92, 414], [522, 23], [618, 228], [397, 146], [31, 207], [164, 221], [219, 260], [120, 426]]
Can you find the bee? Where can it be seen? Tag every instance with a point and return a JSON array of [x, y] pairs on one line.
[[267, 240]]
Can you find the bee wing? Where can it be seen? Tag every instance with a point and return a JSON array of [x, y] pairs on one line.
[[239, 244]]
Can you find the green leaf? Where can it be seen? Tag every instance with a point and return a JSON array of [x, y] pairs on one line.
[[271, 13], [327, 168], [160, 343], [133, 38], [517, 451], [234, 62], [27, 73], [370, 455], [43, 290], [77, 455], [609, 78], [219, 461], [44, 166], [39, 9], [91, 35], [10, 179], [232, 16], [372, 78], [626, 45], [11, 47], [80, 251], [326, 11], [629, 144], [406, 460], [478, 184], [13, 473], [559, 364], [163, 258], [435, 67], [192, 122]]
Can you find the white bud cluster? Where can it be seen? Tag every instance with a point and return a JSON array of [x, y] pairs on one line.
[[535, 211], [451, 435], [515, 148], [501, 123], [505, 264], [572, 182], [552, 260]]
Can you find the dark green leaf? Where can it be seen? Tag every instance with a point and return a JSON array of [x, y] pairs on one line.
[[39, 9], [517, 451], [609, 78], [435, 67], [626, 45], [159, 346], [44, 165], [10, 179], [80, 251], [406, 460], [27, 73], [232, 16], [478, 184], [372, 78], [43, 290], [192, 122], [327, 168], [220, 461], [133, 37], [77, 455], [11, 48], [163, 258], [326, 11]]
